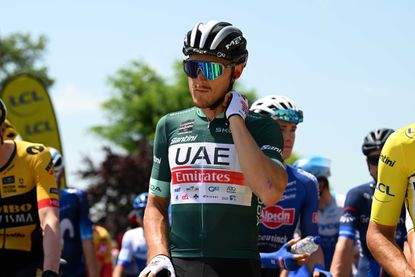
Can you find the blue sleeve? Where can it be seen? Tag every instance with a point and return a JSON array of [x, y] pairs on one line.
[[350, 218], [309, 226], [85, 224]]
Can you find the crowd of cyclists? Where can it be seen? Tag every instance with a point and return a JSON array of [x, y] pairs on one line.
[[222, 199]]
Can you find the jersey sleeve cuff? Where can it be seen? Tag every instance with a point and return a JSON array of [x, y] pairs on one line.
[[159, 188]]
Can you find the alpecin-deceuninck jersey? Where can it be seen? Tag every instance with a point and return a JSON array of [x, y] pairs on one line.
[[214, 213]]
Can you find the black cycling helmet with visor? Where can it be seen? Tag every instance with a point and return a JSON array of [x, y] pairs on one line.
[[219, 39], [375, 140]]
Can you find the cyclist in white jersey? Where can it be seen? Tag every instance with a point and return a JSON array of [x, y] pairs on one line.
[[133, 255]]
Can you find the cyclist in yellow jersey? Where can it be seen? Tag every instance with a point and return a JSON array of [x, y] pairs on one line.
[[103, 244], [29, 214], [396, 185]]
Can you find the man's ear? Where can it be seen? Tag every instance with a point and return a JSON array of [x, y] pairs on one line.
[[237, 71]]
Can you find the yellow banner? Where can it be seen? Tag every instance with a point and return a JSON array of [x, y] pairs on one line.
[[31, 111]]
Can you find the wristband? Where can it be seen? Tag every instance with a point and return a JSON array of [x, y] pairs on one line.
[[49, 273]]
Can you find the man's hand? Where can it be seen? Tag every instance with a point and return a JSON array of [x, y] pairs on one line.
[[237, 104], [319, 271], [283, 258], [157, 264]]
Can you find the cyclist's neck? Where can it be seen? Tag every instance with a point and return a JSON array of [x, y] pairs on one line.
[[211, 114]]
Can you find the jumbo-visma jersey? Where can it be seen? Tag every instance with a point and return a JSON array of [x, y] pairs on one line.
[[396, 178], [214, 213], [27, 185]]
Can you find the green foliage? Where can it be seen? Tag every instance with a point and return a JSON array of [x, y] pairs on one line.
[[140, 98], [20, 53], [292, 158]]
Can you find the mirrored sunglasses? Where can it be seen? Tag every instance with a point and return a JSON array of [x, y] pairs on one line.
[[288, 115], [210, 70]]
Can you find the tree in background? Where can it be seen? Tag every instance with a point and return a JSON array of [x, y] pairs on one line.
[[20, 53], [140, 98]]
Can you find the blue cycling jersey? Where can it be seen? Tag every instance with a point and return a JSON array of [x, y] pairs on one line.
[[75, 226], [328, 228], [355, 221], [299, 201]]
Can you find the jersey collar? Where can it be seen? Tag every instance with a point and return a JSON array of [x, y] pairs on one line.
[[200, 113]]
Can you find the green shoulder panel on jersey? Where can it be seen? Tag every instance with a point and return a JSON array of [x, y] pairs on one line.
[[267, 134], [160, 173]]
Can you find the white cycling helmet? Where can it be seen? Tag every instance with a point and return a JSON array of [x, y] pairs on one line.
[[57, 161], [278, 107]]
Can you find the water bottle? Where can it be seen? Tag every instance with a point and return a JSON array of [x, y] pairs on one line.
[[307, 245]]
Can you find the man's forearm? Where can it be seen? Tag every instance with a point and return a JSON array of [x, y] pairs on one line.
[[156, 233], [343, 258], [90, 258], [387, 253], [51, 242], [266, 179]]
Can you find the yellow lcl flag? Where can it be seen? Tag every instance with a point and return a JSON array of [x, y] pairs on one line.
[[30, 110]]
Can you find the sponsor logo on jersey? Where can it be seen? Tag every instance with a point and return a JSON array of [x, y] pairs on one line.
[[155, 188], [206, 176], [192, 188], [33, 150], [272, 238], [8, 180], [156, 160], [223, 130], [54, 190], [410, 133], [16, 213], [213, 188], [210, 169], [347, 218], [187, 154], [328, 229], [385, 189], [186, 126], [276, 216], [188, 138], [210, 196], [231, 189], [385, 159]]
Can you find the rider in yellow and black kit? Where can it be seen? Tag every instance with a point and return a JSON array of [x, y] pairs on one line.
[[29, 209]]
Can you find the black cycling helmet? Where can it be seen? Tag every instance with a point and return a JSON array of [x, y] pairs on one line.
[[3, 112], [219, 39], [375, 140]]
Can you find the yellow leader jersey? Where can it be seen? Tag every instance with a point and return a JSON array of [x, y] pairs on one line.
[[396, 178], [103, 241], [27, 185]]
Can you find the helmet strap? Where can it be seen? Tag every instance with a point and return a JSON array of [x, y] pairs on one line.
[[221, 99]]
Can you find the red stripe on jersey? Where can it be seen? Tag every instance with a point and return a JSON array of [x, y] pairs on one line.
[[48, 202], [207, 176]]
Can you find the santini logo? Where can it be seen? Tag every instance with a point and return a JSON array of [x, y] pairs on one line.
[[387, 161]]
